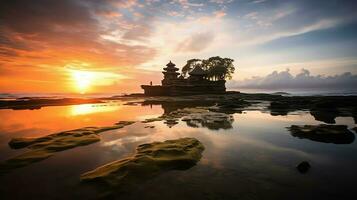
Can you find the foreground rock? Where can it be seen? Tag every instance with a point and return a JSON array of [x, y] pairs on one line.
[[303, 167], [150, 160], [43, 147], [337, 134]]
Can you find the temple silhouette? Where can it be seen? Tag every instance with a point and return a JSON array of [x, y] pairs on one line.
[[173, 84]]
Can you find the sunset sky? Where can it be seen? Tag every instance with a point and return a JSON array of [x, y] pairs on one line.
[[114, 46]]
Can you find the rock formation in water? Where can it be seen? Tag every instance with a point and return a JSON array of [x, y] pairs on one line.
[[149, 161], [303, 167], [337, 134], [196, 117]]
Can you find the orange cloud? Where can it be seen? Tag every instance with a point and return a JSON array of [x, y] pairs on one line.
[[39, 40]]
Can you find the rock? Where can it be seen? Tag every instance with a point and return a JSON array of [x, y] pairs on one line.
[[149, 160], [58, 141], [327, 116], [211, 120], [121, 124], [37, 103], [303, 167], [196, 117], [280, 104], [233, 103], [152, 120], [323, 108], [43, 147], [337, 134], [281, 93], [170, 122]]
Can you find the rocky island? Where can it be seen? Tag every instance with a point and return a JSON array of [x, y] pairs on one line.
[[196, 83], [197, 77]]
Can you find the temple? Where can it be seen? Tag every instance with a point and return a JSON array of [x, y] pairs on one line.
[[174, 85]]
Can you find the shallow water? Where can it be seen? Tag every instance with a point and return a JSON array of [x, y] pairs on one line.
[[252, 158]]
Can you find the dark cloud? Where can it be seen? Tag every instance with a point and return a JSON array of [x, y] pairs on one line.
[[303, 80], [41, 16]]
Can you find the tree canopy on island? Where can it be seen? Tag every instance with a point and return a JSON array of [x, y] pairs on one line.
[[218, 68]]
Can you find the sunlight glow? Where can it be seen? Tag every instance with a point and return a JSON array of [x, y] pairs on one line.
[[85, 109], [83, 80]]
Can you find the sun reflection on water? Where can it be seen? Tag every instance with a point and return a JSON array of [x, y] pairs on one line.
[[85, 109]]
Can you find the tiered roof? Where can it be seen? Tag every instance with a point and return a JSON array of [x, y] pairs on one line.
[[198, 71], [170, 67]]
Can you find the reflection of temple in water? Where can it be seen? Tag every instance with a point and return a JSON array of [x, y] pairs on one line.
[[196, 83], [210, 120]]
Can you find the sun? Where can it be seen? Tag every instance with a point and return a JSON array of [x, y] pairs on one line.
[[83, 80]]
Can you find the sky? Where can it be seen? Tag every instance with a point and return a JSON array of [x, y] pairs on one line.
[[114, 46]]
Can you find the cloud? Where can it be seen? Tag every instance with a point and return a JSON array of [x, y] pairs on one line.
[[259, 1], [72, 28], [39, 37], [303, 80], [272, 20], [196, 42], [187, 4]]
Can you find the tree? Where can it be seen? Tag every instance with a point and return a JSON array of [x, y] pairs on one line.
[[218, 68], [190, 65]]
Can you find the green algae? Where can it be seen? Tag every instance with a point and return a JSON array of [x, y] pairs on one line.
[[44, 147], [196, 117], [149, 161]]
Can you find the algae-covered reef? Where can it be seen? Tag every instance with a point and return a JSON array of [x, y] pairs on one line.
[[337, 134], [149, 161], [322, 108], [43, 147], [196, 117]]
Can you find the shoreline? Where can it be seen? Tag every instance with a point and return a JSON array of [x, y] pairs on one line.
[[323, 108]]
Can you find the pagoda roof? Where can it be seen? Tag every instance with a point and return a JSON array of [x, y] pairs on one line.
[[170, 64], [198, 71], [171, 67]]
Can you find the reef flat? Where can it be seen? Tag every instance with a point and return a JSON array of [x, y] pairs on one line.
[[43, 147]]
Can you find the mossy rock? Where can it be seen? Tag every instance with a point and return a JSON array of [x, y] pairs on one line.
[[152, 120], [196, 117], [43, 147], [149, 160], [58, 141], [210, 120], [337, 134]]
